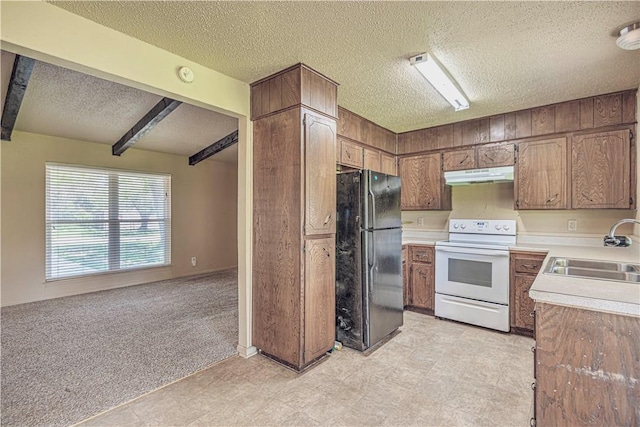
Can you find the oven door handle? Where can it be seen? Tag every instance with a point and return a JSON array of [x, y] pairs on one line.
[[472, 251]]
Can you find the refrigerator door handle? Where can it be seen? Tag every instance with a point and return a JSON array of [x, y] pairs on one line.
[[373, 209]]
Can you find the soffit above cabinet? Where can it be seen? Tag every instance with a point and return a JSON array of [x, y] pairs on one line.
[[505, 56]]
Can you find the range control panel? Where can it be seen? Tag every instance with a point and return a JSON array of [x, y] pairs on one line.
[[483, 226]]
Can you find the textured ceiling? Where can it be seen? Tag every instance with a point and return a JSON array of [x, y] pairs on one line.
[[69, 104], [504, 55]]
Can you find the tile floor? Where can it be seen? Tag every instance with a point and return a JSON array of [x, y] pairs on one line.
[[434, 373]]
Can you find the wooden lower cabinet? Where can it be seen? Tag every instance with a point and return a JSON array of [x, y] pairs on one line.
[[319, 297], [420, 280], [524, 267], [587, 366]]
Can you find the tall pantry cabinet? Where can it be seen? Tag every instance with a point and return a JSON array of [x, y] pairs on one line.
[[294, 116]]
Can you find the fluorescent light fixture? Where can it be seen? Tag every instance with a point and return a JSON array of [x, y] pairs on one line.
[[431, 71]]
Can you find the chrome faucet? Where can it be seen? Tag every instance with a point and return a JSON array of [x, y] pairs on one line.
[[612, 240]]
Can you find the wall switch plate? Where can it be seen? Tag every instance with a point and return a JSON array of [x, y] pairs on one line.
[[572, 225], [420, 221], [194, 261]]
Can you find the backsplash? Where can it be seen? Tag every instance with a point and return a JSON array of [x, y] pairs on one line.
[[495, 201]]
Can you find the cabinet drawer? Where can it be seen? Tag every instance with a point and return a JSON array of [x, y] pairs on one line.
[[495, 155], [528, 263], [459, 159], [351, 154], [421, 254]]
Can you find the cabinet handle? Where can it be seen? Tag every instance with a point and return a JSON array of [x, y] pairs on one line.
[[533, 385], [553, 198], [326, 252], [430, 200], [529, 266], [327, 219], [532, 422], [533, 349], [532, 314], [463, 160], [488, 157], [587, 197]]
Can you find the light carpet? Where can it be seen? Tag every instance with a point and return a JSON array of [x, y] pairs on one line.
[[67, 359]]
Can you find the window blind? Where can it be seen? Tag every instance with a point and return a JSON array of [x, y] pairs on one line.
[[104, 220]]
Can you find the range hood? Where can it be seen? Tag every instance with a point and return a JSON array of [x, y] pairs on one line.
[[476, 176]]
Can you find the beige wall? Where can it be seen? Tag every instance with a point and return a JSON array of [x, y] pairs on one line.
[[42, 31], [495, 201], [203, 214]]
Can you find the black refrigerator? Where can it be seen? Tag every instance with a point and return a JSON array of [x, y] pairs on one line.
[[369, 302]]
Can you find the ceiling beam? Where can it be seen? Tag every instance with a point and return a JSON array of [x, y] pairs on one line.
[[22, 68], [214, 148], [161, 110]]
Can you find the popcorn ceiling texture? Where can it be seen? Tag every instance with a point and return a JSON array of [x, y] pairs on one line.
[[73, 105], [505, 56]]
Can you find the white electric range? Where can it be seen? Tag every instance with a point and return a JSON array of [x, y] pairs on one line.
[[472, 272]]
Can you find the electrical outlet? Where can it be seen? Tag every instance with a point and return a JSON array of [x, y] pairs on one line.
[[194, 261], [572, 225], [420, 221]]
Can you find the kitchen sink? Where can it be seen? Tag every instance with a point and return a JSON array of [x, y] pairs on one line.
[[591, 269]]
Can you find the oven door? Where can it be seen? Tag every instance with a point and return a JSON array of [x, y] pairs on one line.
[[480, 274]]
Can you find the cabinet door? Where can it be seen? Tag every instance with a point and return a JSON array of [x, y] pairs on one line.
[[351, 154], [405, 277], [421, 182], [387, 164], [600, 165], [422, 285], [320, 175], [541, 176], [459, 159], [372, 160], [524, 305], [319, 297], [495, 155]]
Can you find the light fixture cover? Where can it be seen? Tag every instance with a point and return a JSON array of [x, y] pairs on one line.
[[629, 37], [430, 69]]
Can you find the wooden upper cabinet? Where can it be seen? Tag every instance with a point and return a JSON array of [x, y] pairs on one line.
[[351, 154], [296, 85], [495, 155], [422, 183], [600, 170], [388, 164], [319, 297], [541, 175], [320, 182], [372, 160], [459, 159]]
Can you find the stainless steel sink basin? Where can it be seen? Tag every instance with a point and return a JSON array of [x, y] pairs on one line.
[[591, 269]]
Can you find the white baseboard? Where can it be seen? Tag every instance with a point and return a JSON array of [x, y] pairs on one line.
[[247, 352]]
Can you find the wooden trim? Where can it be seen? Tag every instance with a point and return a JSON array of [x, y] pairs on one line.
[[364, 118], [364, 145], [214, 148], [20, 75], [161, 110], [298, 105]]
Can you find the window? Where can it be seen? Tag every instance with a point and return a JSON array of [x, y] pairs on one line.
[[102, 220]]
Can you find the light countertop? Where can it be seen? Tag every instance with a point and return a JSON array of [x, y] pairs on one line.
[[600, 295]]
